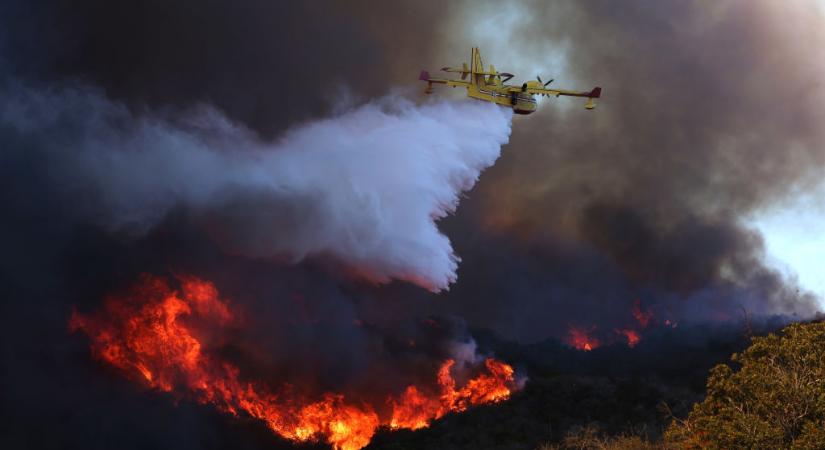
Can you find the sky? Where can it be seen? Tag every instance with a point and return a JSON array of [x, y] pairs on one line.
[[297, 164], [794, 233], [656, 192], [653, 192], [794, 230]]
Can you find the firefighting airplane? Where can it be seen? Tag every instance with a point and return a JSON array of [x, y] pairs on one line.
[[489, 86]]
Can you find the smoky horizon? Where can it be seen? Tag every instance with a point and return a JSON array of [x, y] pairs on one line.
[[363, 233]]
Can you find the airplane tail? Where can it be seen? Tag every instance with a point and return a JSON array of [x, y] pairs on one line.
[[476, 65], [592, 96], [425, 76]]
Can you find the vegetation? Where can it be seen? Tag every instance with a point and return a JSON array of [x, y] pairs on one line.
[[776, 398], [773, 398], [590, 438], [771, 395]]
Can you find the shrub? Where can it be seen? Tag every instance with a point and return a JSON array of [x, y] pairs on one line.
[[776, 398], [589, 438]]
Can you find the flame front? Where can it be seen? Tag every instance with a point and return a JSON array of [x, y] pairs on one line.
[[633, 337], [581, 339], [415, 410], [150, 334]]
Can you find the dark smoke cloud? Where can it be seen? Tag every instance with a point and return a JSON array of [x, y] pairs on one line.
[[266, 64], [699, 120], [710, 111]]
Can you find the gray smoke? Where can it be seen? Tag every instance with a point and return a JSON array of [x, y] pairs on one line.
[[365, 187]]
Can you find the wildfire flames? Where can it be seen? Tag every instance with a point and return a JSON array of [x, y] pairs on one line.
[[414, 410], [632, 337], [151, 335], [581, 339]]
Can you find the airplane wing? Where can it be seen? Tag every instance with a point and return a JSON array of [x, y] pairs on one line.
[[425, 76], [591, 95]]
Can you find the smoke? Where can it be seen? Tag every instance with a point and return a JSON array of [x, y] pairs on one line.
[[646, 197], [711, 112], [365, 187]]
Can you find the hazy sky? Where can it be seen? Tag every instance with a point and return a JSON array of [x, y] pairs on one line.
[[794, 232], [692, 190]]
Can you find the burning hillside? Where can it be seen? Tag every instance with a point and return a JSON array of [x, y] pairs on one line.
[[168, 339], [365, 261], [588, 338]]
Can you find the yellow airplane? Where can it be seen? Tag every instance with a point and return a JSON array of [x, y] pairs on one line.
[[489, 86]]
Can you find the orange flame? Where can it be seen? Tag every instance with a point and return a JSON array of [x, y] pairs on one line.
[[151, 335], [633, 337], [415, 410], [580, 339]]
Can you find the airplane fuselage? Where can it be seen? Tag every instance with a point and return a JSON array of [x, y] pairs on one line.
[[522, 103], [490, 86]]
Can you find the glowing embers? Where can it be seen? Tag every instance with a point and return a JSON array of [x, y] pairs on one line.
[[588, 338], [582, 338], [156, 335], [633, 337]]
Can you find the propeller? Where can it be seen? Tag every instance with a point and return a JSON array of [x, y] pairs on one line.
[[544, 84]]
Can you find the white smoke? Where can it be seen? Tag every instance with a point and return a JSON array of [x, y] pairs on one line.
[[365, 187]]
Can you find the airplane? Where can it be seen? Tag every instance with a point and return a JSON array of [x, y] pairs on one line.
[[489, 86]]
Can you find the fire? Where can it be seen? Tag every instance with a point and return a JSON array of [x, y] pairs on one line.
[[415, 410], [643, 317], [580, 338], [152, 336], [632, 336]]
